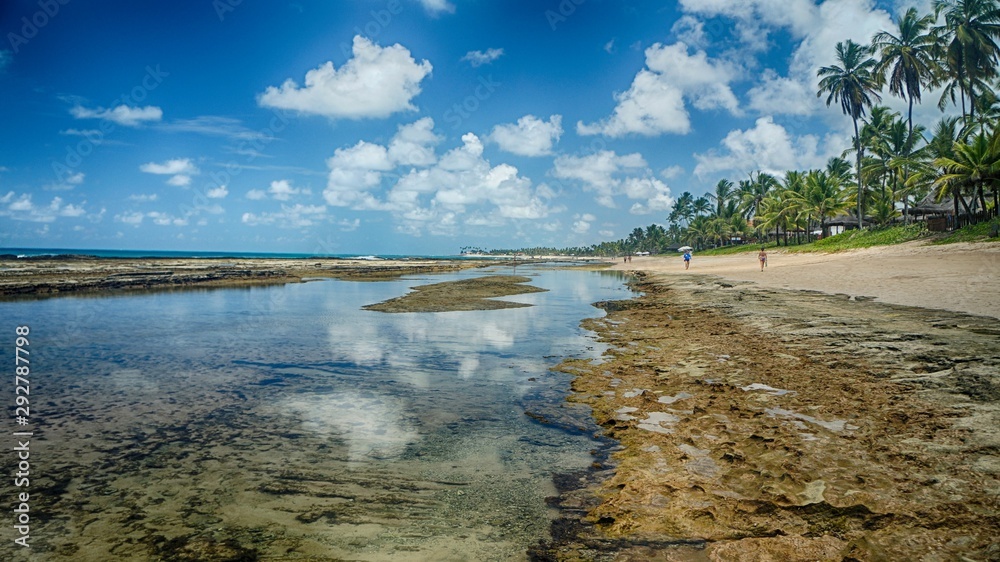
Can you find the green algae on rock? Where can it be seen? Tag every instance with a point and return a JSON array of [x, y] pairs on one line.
[[465, 294]]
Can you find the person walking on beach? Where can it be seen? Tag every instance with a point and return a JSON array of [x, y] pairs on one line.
[[762, 257], [687, 259]]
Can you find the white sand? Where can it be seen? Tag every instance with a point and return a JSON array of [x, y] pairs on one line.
[[957, 277]]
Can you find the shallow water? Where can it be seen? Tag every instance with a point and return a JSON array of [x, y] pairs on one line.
[[288, 423]]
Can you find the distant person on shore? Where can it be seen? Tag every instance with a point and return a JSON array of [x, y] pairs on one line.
[[687, 259], [762, 257]]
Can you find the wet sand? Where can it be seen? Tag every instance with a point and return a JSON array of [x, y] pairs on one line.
[[759, 422]]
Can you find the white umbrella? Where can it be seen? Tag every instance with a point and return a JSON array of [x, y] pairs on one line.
[[685, 249]]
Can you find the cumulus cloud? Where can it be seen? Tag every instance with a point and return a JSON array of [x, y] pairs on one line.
[[130, 218], [217, 192], [354, 171], [581, 223], [609, 175], [124, 115], [22, 207], [413, 144], [767, 146], [816, 28], [180, 170], [655, 103], [530, 136], [256, 194], [282, 190], [479, 58], [434, 193], [375, 82]]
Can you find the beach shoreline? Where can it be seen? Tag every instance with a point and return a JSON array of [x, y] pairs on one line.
[[793, 414], [957, 277]]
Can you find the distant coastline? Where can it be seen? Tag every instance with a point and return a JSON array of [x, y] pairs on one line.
[[61, 253]]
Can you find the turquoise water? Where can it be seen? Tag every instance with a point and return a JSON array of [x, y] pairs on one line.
[[287, 423]]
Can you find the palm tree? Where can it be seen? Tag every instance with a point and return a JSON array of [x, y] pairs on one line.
[[853, 84], [683, 207], [824, 197], [973, 165], [701, 206], [968, 38], [723, 194], [753, 191], [907, 58], [774, 212]]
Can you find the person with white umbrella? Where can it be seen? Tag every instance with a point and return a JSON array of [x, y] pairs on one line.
[[687, 255]]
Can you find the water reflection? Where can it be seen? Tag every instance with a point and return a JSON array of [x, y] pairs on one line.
[[287, 421]]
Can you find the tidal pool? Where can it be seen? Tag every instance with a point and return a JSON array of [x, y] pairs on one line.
[[286, 423]]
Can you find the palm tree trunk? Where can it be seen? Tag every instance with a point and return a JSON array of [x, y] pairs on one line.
[[857, 146], [954, 201], [982, 200], [909, 117]]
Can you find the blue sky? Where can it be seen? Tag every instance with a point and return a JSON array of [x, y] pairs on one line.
[[400, 126]]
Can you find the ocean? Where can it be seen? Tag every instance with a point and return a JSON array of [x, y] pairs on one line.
[[51, 252]]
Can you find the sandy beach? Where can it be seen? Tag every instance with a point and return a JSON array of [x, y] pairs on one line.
[[833, 407], [956, 277]]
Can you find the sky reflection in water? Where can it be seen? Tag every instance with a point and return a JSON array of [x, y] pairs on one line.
[[167, 387]]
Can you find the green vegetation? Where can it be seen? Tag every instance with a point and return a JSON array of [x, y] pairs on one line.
[[972, 233], [897, 163], [854, 239]]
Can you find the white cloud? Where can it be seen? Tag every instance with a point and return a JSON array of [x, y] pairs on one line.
[[599, 172], [690, 30], [671, 172], [582, 223], [349, 225], [164, 219], [437, 7], [433, 194], [23, 208], [479, 58], [654, 192], [170, 167], [214, 125], [376, 82], [217, 193], [354, 171], [530, 136], [815, 28], [413, 144], [767, 146], [256, 194], [143, 198], [134, 219], [282, 190], [180, 170], [655, 102], [124, 115]]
